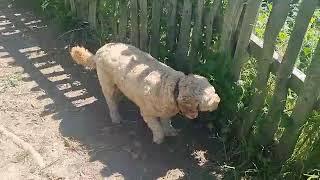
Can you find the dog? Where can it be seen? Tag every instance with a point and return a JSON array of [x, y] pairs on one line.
[[158, 90]]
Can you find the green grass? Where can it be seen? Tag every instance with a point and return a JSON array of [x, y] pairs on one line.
[[9, 81]]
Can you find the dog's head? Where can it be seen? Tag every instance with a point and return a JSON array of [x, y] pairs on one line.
[[196, 94]]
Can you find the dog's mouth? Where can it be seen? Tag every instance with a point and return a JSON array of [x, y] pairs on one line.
[[191, 115]]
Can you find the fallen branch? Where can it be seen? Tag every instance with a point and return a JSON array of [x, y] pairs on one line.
[[24, 145]]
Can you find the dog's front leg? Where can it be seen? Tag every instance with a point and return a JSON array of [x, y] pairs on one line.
[[168, 129], [156, 128]]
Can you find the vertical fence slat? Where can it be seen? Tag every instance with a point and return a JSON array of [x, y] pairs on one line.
[[230, 22], [304, 106], [66, 4], [305, 13], [134, 23], [172, 25], [275, 22], [209, 22], [277, 19], [82, 9], [73, 6], [92, 15], [143, 25], [196, 34], [184, 36], [115, 17], [244, 36], [155, 28], [123, 22]]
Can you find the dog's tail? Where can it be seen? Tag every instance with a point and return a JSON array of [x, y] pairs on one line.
[[82, 56]]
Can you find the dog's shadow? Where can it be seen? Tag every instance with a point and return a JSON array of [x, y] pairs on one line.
[[79, 103]]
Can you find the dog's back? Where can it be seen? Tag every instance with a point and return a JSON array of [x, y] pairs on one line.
[[142, 78]]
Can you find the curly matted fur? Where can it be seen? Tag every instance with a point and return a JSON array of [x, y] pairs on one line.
[[150, 84]]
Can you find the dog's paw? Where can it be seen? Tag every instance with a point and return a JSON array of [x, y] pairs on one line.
[[158, 140], [171, 132], [115, 119]]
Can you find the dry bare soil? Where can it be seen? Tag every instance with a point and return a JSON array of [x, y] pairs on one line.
[[58, 108]]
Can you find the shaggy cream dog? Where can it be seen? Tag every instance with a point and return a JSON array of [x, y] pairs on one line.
[[158, 90]]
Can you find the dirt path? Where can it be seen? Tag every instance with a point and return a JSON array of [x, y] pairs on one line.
[[58, 108]]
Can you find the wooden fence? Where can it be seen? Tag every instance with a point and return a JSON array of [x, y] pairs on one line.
[[188, 36]]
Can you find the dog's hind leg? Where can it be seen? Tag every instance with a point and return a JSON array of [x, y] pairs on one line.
[[112, 96], [155, 126], [168, 129]]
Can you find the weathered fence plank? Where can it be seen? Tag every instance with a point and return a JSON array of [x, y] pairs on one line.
[[305, 104], [66, 4], [82, 9], [230, 22], [73, 7], [134, 23], [123, 20], [92, 15], [305, 13], [275, 22], [196, 34], [171, 24], [114, 21], [244, 36], [143, 25], [184, 37], [209, 22], [155, 28]]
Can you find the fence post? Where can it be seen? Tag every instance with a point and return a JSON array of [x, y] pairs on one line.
[[172, 24], [134, 23], [285, 70], [196, 34], [184, 37], [92, 17], [82, 9], [73, 6], [143, 25], [115, 17], [244, 36], [304, 106], [155, 28], [209, 22], [123, 20], [230, 22], [277, 18]]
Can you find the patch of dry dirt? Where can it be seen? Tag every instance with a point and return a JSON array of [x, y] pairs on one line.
[[59, 109]]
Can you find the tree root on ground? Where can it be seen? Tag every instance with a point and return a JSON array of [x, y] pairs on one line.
[[24, 145]]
